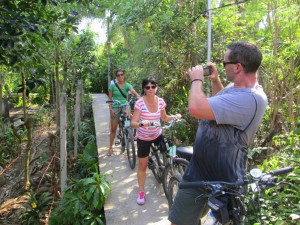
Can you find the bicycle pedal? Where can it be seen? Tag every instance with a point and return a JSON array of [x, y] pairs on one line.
[[117, 143]]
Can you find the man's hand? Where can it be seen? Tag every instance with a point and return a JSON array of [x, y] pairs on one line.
[[214, 76], [196, 73]]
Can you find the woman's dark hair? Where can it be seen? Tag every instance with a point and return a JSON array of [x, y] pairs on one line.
[[147, 81], [119, 70]]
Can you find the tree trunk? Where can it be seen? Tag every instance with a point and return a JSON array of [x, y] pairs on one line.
[[57, 89], [28, 125], [24, 93]]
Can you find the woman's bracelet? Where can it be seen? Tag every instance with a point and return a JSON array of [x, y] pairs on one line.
[[196, 80]]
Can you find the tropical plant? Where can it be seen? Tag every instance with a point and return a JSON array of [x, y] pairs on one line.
[[87, 160], [83, 202], [36, 208]]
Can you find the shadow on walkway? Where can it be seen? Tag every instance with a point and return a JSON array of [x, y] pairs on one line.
[[121, 206]]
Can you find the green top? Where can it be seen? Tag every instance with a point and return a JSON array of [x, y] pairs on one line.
[[116, 94]]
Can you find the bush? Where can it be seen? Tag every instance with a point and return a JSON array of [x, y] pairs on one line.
[[82, 203]]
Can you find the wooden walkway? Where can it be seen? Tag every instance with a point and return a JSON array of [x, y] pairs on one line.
[[121, 206]]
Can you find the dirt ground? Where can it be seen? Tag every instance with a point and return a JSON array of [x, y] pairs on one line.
[[12, 176]]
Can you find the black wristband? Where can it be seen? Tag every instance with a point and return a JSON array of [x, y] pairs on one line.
[[196, 80]]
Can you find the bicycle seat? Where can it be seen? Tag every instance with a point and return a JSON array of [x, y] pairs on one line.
[[185, 152]]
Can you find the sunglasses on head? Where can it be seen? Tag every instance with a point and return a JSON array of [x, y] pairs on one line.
[[120, 74], [148, 87]]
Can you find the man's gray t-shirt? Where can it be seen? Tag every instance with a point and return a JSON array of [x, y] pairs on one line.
[[220, 148]]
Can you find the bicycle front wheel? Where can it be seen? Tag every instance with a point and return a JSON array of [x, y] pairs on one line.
[[178, 166], [173, 188], [130, 148]]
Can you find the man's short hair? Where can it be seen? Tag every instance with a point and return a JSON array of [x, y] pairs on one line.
[[247, 54]]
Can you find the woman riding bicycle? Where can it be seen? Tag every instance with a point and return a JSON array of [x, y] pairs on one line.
[[118, 91], [148, 109]]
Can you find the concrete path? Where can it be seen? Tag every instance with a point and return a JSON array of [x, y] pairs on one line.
[[121, 207]]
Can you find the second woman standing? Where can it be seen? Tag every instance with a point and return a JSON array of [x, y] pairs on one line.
[[150, 108], [118, 91]]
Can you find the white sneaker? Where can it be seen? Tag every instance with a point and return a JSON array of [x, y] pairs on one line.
[[141, 198]]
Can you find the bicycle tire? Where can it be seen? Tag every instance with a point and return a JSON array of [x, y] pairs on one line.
[[122, 139], [157, 162], [177, 167], [130, 148], [173, 188]]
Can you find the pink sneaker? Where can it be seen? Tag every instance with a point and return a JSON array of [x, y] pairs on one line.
[[141, 198]]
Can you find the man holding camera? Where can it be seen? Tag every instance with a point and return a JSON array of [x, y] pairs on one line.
[[229, 122]]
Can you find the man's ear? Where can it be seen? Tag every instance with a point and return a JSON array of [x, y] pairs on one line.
[[238, 68]]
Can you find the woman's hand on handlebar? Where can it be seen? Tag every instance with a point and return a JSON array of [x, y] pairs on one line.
[[145, 123], [176, 117]]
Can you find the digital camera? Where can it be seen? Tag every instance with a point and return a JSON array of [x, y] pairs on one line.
[[207, 70]]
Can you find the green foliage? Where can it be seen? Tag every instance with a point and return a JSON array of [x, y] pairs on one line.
[[36, 207], [44, 116], [83, 202], [280, 204], [86, 132], [86, 127], [88, 160], [9, 146], [25, 23]]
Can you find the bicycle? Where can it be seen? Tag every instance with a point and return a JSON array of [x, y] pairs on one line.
[[226, 200], [158, 157], [126, 135], [178, 161], [131, 102]]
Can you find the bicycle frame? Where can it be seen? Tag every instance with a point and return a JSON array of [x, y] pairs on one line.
[[158, 157]]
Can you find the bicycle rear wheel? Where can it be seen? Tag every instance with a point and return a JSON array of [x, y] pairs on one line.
[[173, 188], [130, 148], [121, 137], [177, 167]]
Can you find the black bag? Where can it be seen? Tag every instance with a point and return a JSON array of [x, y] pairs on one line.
[[219, 209]]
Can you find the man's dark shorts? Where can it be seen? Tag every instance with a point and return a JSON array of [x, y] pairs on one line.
[[188, 208]]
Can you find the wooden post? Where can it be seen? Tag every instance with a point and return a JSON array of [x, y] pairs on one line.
[[81, 100], [63, 142], [77, 116]]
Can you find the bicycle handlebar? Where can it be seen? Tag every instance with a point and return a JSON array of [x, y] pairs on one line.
[[281, 171], [202, 184], [156, 124], [116, 101], [132, 99], [266, 179]]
